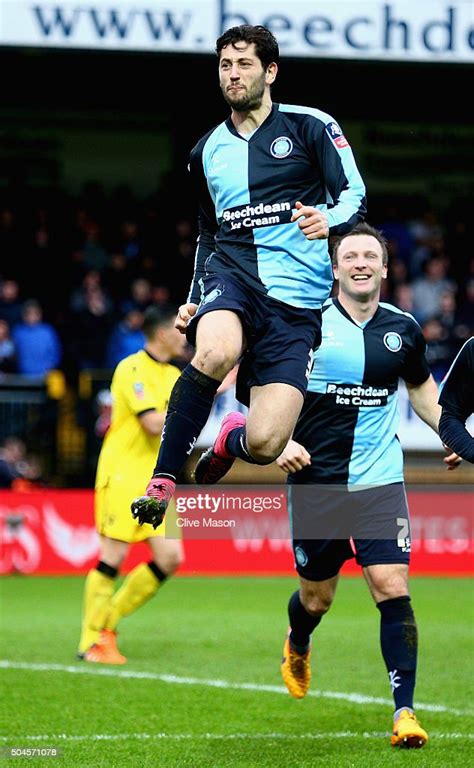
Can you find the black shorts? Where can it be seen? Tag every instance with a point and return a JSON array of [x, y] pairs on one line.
[[331, 524], [281, 339]]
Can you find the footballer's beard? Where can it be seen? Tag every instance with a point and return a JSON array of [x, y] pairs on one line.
[[249, 99]]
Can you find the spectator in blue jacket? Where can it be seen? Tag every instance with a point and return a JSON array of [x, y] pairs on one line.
[[126, 338], [37, 344]]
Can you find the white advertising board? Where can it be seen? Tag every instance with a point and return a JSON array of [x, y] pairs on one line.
[[401, 30]]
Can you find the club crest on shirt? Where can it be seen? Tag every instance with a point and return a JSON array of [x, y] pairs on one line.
[[337, 135], [393, 341], [139, 389], [281, 147]]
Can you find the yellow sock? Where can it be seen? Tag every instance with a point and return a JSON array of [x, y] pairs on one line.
[[138, 587], [98, 590]]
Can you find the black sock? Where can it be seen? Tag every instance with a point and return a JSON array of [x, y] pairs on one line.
[[107, 570], [188, 410], [301, 622], [236, 445], [156, 571], [399, 642]]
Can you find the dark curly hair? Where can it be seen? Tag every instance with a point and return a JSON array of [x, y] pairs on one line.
[[266, 46]]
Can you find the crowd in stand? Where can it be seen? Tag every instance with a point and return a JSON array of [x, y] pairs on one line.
[[431, 275], [76, 275], [19, 470]]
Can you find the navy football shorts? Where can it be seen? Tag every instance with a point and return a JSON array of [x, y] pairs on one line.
[[331, 524], [281, 339]]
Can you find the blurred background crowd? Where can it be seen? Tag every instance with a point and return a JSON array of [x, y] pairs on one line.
[[78, 273]]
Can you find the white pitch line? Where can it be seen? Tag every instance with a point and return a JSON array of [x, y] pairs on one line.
[[221, 736], [86, 669]]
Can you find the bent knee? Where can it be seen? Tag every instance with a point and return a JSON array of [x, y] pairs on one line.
[[316, 605], [173, 562], [177, 561], [216, 359], [113, 555], [265, 448], [389, 591]]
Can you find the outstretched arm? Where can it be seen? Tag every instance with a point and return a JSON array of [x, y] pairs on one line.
[[457, 402], [424, 399], [453, 433]]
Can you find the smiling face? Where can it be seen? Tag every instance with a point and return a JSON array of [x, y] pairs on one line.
[[360, 267], [242, 78]]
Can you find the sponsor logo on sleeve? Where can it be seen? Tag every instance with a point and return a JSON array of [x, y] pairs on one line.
[[337, 135], [139, 390]]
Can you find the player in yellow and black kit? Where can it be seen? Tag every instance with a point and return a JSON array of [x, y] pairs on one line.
[[141, 387]]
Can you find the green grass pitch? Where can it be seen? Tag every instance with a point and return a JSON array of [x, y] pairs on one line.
[[167, 708]]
